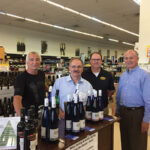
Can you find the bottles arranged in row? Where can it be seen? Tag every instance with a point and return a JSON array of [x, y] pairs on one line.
[[94, 106], [49, 126], [7, 108], [74, 114], [27, 135]]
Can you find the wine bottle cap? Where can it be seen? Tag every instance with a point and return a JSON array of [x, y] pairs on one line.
[[53, 102], [69, 98], [46, 102], [94, 93], [75, 98], [50, 88], [100, 92]]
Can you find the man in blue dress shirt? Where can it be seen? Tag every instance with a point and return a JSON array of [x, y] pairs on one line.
[[69, 84], [133, 104]]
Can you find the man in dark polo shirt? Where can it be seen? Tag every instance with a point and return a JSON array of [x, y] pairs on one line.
[[99, 78]]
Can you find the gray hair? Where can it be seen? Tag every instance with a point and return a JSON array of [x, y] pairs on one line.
[[33, 52], [131, 50]]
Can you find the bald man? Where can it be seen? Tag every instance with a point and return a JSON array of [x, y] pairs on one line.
[[133, 104]]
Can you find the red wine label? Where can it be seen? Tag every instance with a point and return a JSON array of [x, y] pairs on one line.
[[95, 116], [21, 143], [76, 126], [101, 115], [88, 115], [53, 134], [43, 132], [68, 124], [82, 124]]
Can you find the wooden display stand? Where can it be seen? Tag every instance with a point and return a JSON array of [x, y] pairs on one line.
[[104, 130]]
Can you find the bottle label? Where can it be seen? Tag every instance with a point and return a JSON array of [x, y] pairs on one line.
[[43, 132], [68, 124], [82, 124], [76, 126], [101, 115], [36, 141], [88, 115], [53, 134], [32, 145], [95, 116], [21, 143]]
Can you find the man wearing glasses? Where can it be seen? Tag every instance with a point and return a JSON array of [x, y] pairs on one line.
[[99, 78], [71, 83]]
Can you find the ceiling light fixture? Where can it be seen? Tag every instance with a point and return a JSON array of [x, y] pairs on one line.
[[113, 40], [51, 25], [137, 1], [128, 43], [89, 17]]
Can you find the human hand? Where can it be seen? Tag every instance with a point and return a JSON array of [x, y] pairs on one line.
[[61, 114], [144, 127]]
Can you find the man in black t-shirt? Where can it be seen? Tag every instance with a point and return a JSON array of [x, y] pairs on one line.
[[30, 85], [99, 78]]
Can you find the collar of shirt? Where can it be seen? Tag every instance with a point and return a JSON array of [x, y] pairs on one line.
[[70, 80], [132, 70]]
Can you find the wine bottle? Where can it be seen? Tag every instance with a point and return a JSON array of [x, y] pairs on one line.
[[45, 121], [20, 130], [75, 118], [101, 112], [5, 107], [1, 109], [53, 122], [29, 132], [95, 108], [68, 115], [35, 122], [81, 112], [12, 107], [50, 95], [88, 113], [57, 100], [9, 114]]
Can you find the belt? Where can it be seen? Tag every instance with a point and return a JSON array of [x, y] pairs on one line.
[[132, 108]]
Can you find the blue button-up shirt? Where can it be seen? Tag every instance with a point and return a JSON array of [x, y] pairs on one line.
[[134, 90], [66, 86]]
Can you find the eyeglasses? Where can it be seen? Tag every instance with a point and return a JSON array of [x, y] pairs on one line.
[[78, 67], [95, 59]]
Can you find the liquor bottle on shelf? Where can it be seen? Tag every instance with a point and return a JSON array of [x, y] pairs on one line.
[[81, 113], [35, 122], [50, 95], [1, 109], [53, 122], [45, 125], [68, 115], [88, 113], [101, 112], [9, 108], [57, 100], [20, 130], [29, 132], [75, 118], [95, 108], [5, 107], [12, 107]]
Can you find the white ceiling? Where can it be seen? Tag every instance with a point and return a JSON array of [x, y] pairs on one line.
[[122, 13]]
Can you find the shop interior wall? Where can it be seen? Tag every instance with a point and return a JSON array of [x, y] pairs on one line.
[[10, 35]]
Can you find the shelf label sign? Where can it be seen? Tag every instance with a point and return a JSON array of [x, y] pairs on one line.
[[88, 143], [148, 51]]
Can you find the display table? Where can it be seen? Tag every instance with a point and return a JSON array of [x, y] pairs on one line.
[[103, 133]]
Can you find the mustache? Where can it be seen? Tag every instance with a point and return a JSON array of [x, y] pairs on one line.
[[75, 71]]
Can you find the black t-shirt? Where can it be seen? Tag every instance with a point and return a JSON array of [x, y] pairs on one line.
[[31, 88], [104, 81]]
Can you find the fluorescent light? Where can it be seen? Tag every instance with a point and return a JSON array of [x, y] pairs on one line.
[[89, 17], [113, 40], [51, 25], [128, 43], [137, 1]]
